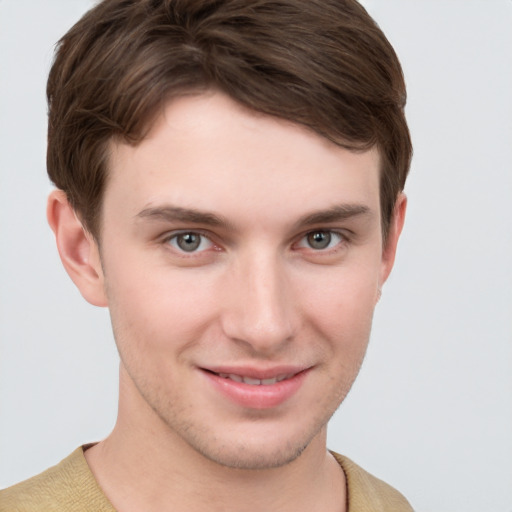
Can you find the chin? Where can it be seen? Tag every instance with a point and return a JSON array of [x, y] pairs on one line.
[[253, 457], [255, 446]]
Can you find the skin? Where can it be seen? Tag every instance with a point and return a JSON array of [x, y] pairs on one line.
[[258, 294]]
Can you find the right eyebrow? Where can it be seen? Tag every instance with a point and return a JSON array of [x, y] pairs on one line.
[[171, 213]]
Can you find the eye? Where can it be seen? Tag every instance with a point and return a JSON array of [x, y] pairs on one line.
[[190, 242], [321, 240]]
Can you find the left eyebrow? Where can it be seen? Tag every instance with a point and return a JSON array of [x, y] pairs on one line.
[[335, 214]]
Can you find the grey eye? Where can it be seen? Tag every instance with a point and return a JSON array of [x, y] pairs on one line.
[[319, 239], [188, 242]]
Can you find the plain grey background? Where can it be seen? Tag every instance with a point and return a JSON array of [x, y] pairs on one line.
[[431, 412]]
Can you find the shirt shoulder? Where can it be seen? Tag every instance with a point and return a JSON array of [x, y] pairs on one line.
[[69, 486], [367, 493]]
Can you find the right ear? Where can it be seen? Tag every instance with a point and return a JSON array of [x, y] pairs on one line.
[[77, 248]]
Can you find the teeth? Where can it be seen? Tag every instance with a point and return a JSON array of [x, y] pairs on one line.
[[254, 382]]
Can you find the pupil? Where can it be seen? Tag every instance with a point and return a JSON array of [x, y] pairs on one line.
[[319, 239], [189, 241]]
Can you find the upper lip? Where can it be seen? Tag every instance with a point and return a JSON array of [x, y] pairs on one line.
[[257, 373]]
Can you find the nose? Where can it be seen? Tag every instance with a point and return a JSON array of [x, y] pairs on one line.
[[260, 310]]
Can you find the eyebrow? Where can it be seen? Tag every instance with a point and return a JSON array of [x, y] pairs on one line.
[[187, 215], [335, 214]]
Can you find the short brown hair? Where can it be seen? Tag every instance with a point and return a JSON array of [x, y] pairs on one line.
[[322, 63]]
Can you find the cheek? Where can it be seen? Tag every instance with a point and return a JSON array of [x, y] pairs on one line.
[[341, 312], [157, 309], [343, 298]]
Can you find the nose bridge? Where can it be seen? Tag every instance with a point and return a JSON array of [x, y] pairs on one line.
[[260, 312]]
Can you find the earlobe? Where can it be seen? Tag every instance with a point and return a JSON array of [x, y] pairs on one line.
[[77, 248], [395, 229]]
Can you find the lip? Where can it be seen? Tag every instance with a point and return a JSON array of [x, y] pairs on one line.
[[259, 396]]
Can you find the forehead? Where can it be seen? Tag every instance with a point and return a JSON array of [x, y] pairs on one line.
[[207, 151]]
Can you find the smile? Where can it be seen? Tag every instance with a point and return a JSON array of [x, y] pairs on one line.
[[255, 382], [257, 389]]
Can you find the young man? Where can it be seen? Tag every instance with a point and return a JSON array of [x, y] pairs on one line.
[[229, 184]]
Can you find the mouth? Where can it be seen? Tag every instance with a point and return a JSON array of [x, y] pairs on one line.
[[257, 389], [253, 381]]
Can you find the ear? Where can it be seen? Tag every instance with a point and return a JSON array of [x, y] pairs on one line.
[[77, 248], [395, 228]]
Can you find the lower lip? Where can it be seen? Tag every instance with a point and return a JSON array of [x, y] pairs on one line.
[[260, 396]]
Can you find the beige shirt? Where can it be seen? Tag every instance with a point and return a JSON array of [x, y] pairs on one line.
[[70, 486]]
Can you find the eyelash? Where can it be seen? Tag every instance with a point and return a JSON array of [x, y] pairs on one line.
[[173, 238]]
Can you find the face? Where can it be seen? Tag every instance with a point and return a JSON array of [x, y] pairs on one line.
[[242, 259]]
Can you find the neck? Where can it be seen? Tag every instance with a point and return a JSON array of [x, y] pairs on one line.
[[143, 465]]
